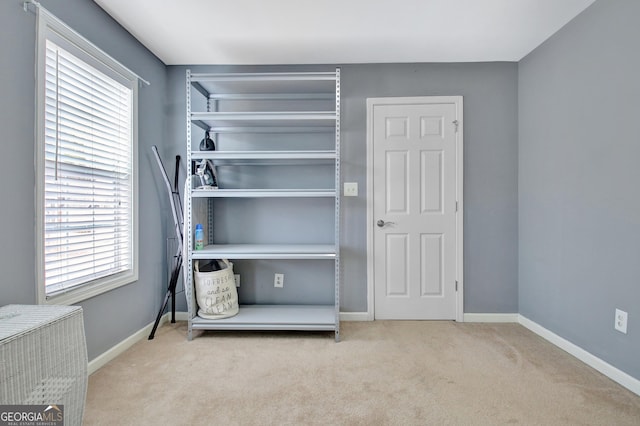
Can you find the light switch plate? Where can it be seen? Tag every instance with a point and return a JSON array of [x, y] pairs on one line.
[[350, 189]]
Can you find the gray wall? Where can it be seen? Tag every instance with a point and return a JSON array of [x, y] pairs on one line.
[[490, 96], [111, 317], [579, 199], [551, 200], [490, 185]]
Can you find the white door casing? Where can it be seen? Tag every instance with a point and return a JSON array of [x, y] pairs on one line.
[[414, 187]]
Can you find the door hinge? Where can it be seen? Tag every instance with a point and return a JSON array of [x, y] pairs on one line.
[[456, 206], [456, 123], [456, 285]]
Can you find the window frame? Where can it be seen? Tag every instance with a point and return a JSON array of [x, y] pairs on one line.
[[51, 28]]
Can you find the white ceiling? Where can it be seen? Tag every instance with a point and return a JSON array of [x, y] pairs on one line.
[[341, 31]]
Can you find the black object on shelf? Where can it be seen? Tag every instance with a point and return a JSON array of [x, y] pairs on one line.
[[207, 144]]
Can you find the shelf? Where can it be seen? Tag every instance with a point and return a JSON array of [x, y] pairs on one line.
[[266, 251], [306, 129], [262, 193], [274, 317], [264, 119], [270, 96], [223, 158], [265, 83]]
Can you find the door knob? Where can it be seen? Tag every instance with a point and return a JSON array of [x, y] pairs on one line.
[[382, 223]]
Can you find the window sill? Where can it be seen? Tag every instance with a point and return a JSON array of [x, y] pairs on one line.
[[88, 291]]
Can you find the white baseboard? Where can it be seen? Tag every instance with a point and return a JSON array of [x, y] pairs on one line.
[[593, 361], [99, 361], [490, 317], [180, 316], [355, 316], [366, 316]]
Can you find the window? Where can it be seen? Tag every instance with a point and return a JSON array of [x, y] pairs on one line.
[[86, 152]]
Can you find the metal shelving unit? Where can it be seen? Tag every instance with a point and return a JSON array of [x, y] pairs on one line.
[[285, 106]]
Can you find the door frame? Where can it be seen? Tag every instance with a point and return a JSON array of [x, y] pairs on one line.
[[457, 101]]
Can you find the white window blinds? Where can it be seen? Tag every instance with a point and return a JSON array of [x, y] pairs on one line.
[[88, 179]]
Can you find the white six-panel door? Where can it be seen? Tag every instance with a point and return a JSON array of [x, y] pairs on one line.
[[416, 198]]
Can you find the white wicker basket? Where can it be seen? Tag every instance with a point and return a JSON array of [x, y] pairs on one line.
[[43, 358]]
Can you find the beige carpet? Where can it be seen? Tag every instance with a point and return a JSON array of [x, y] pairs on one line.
[[382, 373]]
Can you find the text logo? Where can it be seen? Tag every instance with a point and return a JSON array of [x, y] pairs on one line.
[[31, 415]]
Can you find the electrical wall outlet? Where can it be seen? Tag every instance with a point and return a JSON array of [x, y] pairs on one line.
[[278, 280], [621, 321], [237, 279]]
